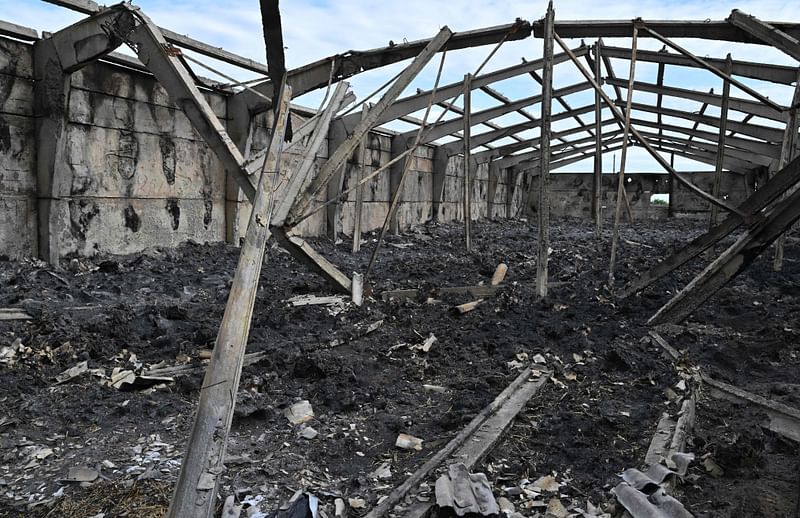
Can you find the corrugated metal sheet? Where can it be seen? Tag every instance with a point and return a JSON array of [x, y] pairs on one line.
[[465, 492]]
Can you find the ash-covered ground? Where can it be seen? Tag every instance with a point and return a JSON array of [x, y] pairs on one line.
[[74, 445]]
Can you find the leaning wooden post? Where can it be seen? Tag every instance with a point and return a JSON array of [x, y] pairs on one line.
[[598, 150], [723, 128], [196, 489], [623, 158], [788, 152], [361, 168], [467, 159], [544, 155]]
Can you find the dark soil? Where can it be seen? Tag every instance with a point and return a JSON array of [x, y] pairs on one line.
[[594, 419]]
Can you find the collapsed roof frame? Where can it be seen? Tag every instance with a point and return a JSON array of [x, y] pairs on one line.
[[59, 55]]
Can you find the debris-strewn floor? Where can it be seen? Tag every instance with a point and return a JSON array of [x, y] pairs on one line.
[[98, 439]]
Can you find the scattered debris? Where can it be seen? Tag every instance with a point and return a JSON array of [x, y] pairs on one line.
[[465, 493], [499, 274], [300, 412], [469, 306], [408, 442]]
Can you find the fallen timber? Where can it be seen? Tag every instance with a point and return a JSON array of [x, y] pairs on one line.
[[473, 442], [781, 419]]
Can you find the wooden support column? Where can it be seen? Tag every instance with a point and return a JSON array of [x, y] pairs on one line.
[[621, 194], [468, 160], [362, 170], [723, 128], [336, 137], [789, 150], [196, 489], [597, 179], [544, 171], [438, 178]]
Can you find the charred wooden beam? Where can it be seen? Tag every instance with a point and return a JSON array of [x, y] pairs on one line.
[[741, 105], [701, 29], [730, 263], [544, 162], [767, 33], [784, 180], [764, 71], [196, 489]]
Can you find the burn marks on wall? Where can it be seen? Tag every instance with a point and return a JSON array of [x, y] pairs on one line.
[[168, 158], [132, 219], [81, 215], [174, 210]]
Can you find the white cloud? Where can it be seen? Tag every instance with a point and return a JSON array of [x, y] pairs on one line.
[[314, 29]]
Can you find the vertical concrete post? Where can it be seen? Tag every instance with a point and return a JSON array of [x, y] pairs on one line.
[[491, 191], [51, 91], [238, 125], [440, 160], [362, 169], [336, 136], [544, 150], [399, 146]]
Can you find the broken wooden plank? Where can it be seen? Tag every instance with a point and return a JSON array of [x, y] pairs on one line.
[[304, 252], [196, 489], [499, 274], [504, 408], [469, 306], [781, 419], [474, 291], [14, 314]]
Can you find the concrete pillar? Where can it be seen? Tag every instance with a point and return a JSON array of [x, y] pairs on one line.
[[491, 192], [336, 136], [51, 101], [399, 145], [440, 160]]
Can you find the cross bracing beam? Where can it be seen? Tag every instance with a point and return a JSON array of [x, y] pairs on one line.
[[446, 127], [767, 33], [760, 132], [569, 147], [754, 146], [482, 139], [575, 154], [509, 149], [740, 105], [702, 29], [420, 100], [764, 71], [317, 74], [733, 165], [753, 159]]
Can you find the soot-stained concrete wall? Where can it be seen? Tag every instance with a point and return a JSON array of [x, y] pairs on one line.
[[17, 151], [571, 194], [137, 175]]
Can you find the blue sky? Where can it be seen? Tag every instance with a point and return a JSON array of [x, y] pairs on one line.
[[314, 29]]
